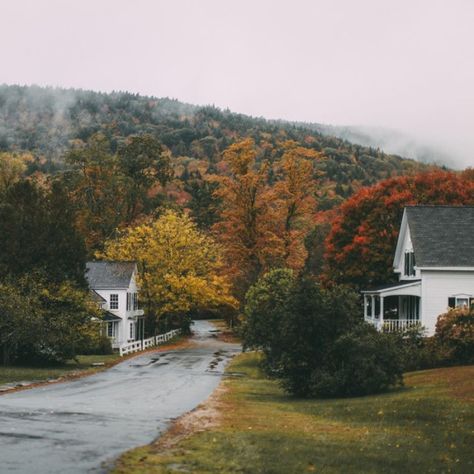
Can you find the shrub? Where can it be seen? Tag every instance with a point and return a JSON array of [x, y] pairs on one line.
[[455, 335], [361, 362], [265, 312], [419, 352], [99, 345], [315, 318], [314, 341], [44, 322]]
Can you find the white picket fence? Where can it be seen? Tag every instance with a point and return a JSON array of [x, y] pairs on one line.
[[138, 346]]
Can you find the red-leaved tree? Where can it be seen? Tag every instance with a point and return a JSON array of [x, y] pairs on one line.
[[361, 243]]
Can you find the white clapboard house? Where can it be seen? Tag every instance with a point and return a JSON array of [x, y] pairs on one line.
[[434, 260], [114, 287]]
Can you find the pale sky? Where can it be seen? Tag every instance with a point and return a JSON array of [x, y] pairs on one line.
[[402, 64]]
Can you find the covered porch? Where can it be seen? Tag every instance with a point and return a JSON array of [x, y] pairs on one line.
[[395, 307], [111, 328]]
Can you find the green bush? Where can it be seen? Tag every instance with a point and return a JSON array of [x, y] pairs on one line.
[[315, 317], [99, 345], [361, 362], [419, 352], [265, 313], [43, 322], [314, 341], [455, 335]]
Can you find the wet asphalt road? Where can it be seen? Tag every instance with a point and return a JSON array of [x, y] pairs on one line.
[[82, 425]]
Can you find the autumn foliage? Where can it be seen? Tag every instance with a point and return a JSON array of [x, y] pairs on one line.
[[455, 335], [179, 266], [360, 246], [262, 223]]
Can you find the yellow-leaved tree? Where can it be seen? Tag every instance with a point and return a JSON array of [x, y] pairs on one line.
[[179, 266], [12, 168]]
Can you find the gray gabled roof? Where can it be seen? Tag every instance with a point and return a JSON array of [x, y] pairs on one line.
[[105, 275], [96, 297], [109, 317], [442, 236]]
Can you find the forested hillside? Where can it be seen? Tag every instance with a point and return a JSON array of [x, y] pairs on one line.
[[48, 121], [93, 175]]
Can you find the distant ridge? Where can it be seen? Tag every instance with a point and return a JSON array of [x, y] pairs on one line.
[[46, 121]]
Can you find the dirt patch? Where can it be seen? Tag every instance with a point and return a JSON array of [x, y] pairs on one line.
[[204, 417]]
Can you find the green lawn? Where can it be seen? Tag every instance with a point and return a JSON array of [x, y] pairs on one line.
[[83, 365], [29, 373], [426, 427]]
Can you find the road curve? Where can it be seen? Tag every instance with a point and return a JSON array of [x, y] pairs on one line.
[[79, 426]]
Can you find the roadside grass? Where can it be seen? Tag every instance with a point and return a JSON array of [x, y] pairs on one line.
[[15, 373], [428, 426], [80, 367]]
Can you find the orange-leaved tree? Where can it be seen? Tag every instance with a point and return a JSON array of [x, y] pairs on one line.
[[292, 201], [361, 244], [263, 226], [243, 227]]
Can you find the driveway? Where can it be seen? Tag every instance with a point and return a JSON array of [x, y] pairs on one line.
[[78, 426]]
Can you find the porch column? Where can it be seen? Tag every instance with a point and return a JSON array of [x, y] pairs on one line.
[[372, 306], [381, 310], [365, 306]]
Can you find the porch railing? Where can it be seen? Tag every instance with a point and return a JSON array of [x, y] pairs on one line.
[[399, 325], [137, 346], [394, 325]]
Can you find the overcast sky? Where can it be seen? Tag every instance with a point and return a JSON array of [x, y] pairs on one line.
[[403, 64]]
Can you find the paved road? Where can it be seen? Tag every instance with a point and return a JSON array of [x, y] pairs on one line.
[[75, 427]]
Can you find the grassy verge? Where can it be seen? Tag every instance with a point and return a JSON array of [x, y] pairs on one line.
[[12, 374], [81, 367], [426, 427]]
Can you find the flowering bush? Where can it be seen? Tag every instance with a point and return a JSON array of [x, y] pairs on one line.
[[455, 334]]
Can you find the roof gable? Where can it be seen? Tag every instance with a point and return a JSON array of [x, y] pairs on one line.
[[402, 234], [96, 297], [442, 236], [109, 275]]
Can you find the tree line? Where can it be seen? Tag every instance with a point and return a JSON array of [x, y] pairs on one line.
[[210, 246]]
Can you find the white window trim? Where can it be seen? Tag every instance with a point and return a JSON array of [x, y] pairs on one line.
[[113, 326], [462, 296], [114, 302]]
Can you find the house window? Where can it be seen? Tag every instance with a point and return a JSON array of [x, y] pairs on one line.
[[462, 302], [114, 304], [111, 329], [129, 301], [459, 302], [135, 301], [410, 264]]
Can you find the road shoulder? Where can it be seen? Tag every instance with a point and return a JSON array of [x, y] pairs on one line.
[[109, 361], [250, 425]]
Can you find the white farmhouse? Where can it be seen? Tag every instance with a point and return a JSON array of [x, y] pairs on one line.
[[434, 259], [113, 285]]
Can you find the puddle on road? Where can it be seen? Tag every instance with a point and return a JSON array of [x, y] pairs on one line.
[[19, 435]]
